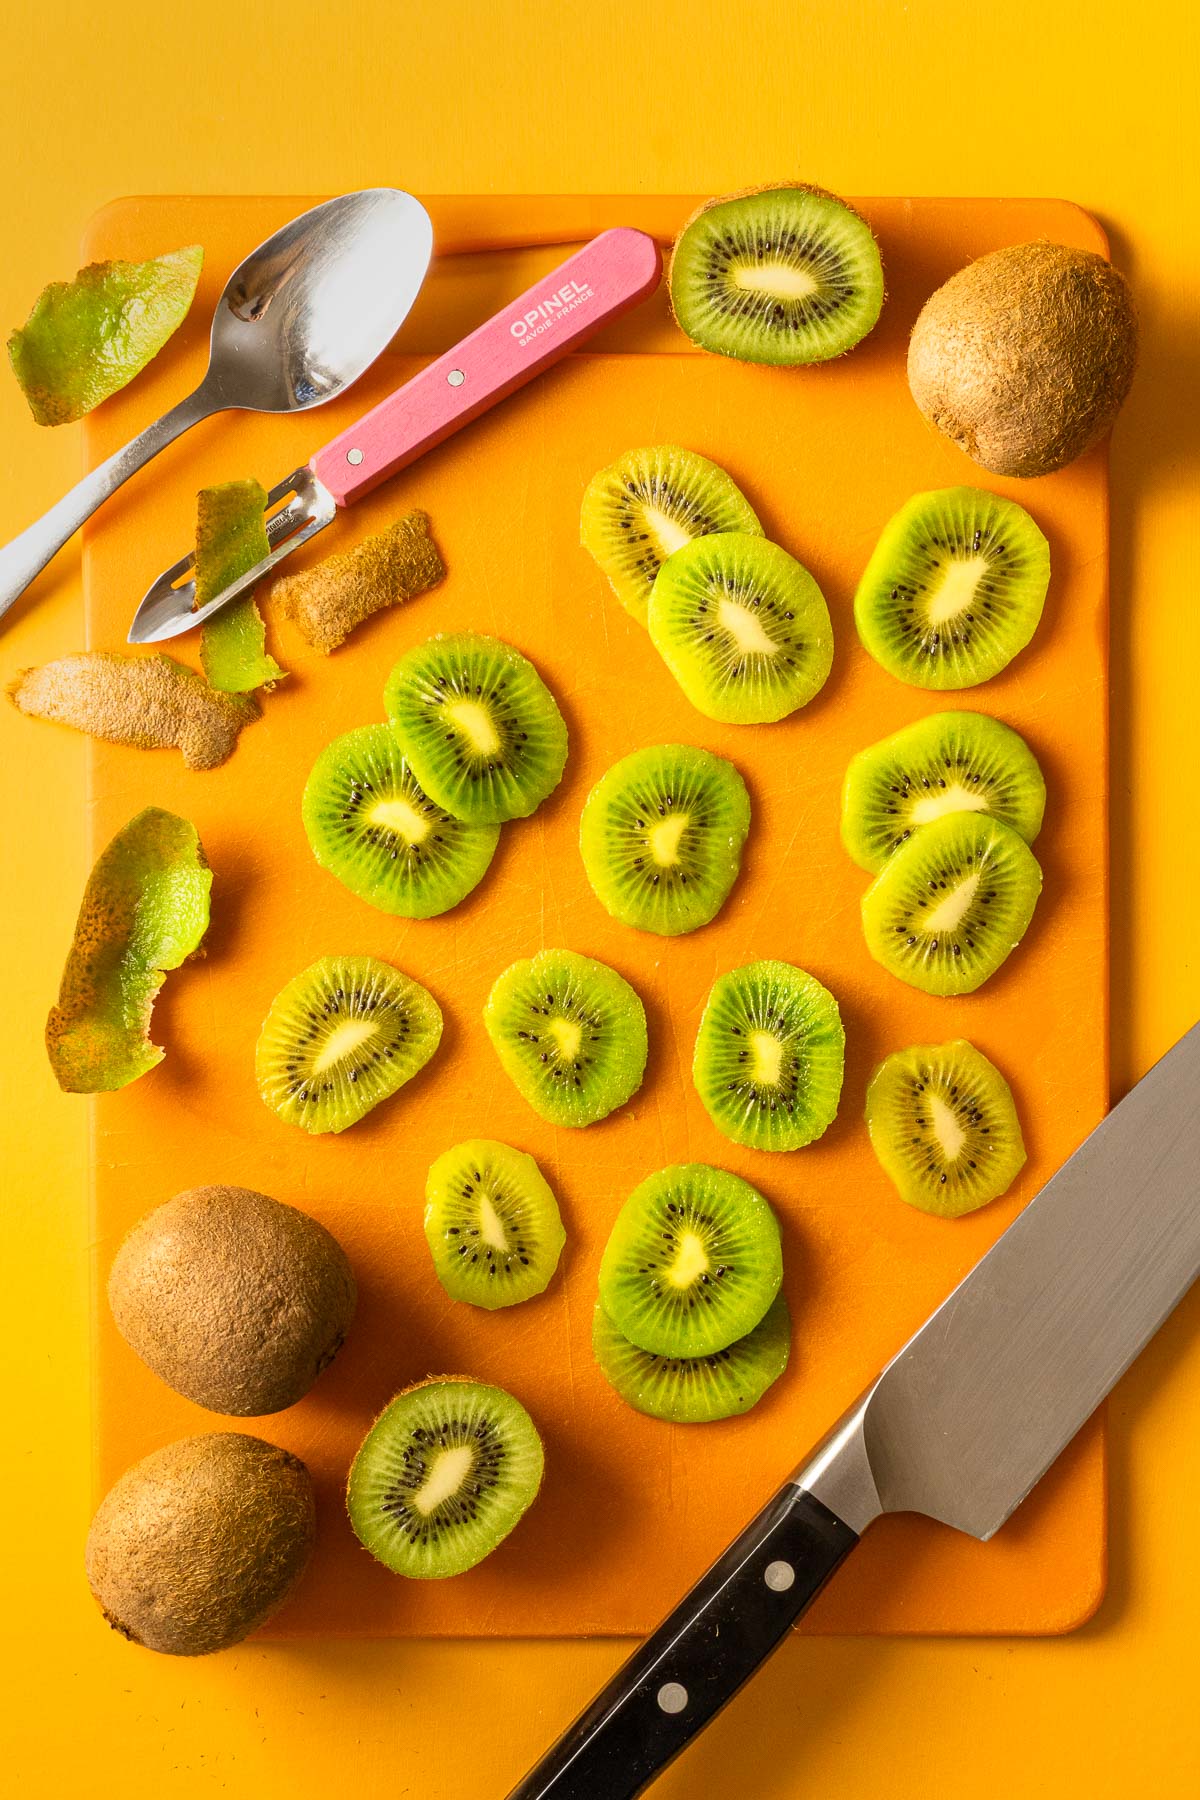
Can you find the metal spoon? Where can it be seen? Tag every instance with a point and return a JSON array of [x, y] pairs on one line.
[[301, 319]]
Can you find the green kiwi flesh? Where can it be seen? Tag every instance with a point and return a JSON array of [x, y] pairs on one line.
[[770, 1055], [954, 588], [944, 1126], [948, 762], [478, 726], [661, 837], [648, 504], [341, 1037], [743, 628], [570, 1033], [370, 825], [695, 1390], [780, 275], [492, 1224], [692, 1263], [443, 1475], [952, 903]]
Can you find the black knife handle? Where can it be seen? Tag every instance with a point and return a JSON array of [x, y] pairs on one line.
[[699, 1657]]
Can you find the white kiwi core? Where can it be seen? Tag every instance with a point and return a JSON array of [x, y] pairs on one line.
[[691, 1261], [398, 816], [447, 1473], [475, 723], [745, 628], [344, 1038], [953, 909], [956, 589]]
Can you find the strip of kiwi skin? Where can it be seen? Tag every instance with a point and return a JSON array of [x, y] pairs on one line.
[[492, 1224], [947, 762], [944, 1126], [695, 1390], [149, 702]]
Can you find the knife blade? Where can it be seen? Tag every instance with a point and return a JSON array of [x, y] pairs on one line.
[[960, 1424]]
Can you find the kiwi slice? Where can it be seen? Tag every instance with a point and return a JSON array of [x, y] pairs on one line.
[[571, 1033], [340, 1038], [777, 275], [492, 1224], [743, 628], [692, 1262], [478, 726], [443, 1475], [944, 1127], [954, 588], [648, 504], [952, 903], [770, 1055], [661, 837], [694, 1390], [370, 825], [946, 763]]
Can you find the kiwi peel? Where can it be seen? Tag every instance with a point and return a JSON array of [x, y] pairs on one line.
[[201, 1542], [233, 1299], [695, 1390], [944, 1126], [948, 762], [649, 503], [783, 275], [570, 1033], [446, 1471], [346, 1033], [370, 825], [145, 910], [661, 837], [492, 1224], [231, 537], [770, 1055], [330, 600]]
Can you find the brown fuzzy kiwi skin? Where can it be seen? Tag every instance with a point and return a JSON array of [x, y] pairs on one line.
[[201, 1542], [235, 1300], [769, 187], [1024, 358]]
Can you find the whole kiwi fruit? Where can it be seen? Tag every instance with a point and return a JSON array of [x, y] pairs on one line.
[[200, 1542], [1025, 356], [233, 1299]]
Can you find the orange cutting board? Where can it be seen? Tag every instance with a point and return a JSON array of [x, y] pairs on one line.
[[632, 1509]]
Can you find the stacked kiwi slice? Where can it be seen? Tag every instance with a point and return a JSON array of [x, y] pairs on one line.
[[691, 1325], [944, 1126]]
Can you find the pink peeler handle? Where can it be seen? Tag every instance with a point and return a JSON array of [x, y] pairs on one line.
[[598, 283]]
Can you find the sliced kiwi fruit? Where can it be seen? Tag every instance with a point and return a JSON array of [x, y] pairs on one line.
[[743, 627], [946, 763], [661, 837], [954, 588], [952, 903], [492, 1224], [692, 1262], [370, 824], [443, 1475], [571, 1033], [770, 1055], [649, 503], [341, 1037], [944, 1127], [478, 726], [777, 275], [695, 1390]]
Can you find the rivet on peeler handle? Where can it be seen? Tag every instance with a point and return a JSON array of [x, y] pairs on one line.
[[354, 456], [456, 378]]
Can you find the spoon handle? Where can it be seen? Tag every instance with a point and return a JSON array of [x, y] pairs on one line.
[[601, 281], [27, 555]]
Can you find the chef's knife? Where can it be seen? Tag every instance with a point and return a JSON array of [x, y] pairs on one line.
[[959, 1426]]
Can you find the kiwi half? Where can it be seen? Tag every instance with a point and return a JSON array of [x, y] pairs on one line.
[[949, 762], [341, 1037], [954, 588], [443, 1475], [692, 1263], [952, 903], [648, 504], [944, 1127], [694, 1390], [571, 1033], [743, 627], [492, 1224], [372, 827], [478, 726], [661, 837], [777, 275], [770, 1054]]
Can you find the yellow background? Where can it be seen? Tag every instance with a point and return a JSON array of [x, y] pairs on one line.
[[1090, 101]]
